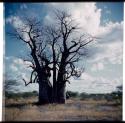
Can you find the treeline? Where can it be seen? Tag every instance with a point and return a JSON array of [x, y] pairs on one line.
[[82, 96], [21, 94], [70, 94]]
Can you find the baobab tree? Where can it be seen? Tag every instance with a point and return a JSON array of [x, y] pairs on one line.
[[32, 35], [53, 48], [67, 50]]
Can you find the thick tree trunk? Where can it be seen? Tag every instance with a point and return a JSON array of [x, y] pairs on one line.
[[54, 75], [61, 93], [43, 94], [54, 85], [45, 90], [61, 85]]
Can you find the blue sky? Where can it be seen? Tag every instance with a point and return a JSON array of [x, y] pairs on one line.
[[103, 69], [112, 11]]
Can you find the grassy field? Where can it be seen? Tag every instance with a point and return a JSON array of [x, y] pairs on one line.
[[25, 109]]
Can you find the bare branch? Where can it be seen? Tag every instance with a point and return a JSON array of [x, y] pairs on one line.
[[26, 82]]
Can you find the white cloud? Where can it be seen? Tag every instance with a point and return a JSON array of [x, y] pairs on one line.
[[18, 24], [110, 30], [14, 64], [92, 84], [18, 61], [111, 52], [13, 67], [97, 66], [86, 76], [110, 46], [86, 14], [18, 70], [15, 21], [89, 18]]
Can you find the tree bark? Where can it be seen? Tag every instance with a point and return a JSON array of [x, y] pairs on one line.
[[54, 93], [43, 94], [45, 89], [61, 85], [61, 93], [54, 84]]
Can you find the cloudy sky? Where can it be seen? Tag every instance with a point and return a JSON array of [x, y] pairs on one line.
[[103, 67]]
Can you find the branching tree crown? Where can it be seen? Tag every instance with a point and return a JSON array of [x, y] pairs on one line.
[[60, 46]]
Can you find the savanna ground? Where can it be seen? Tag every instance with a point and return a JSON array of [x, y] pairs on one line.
[[25, 109]]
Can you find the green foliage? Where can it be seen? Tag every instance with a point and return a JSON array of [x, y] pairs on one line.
[[72, 94], [114, 96], [117, 96], [19, 95]]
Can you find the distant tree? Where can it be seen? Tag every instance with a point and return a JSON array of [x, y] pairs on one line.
[[71, 94], [118, 94], [120, 88]]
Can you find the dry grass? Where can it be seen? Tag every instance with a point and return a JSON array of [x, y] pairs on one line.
[[73, 110]]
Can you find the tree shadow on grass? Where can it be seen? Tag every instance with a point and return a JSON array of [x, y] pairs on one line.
[[20, 105]]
